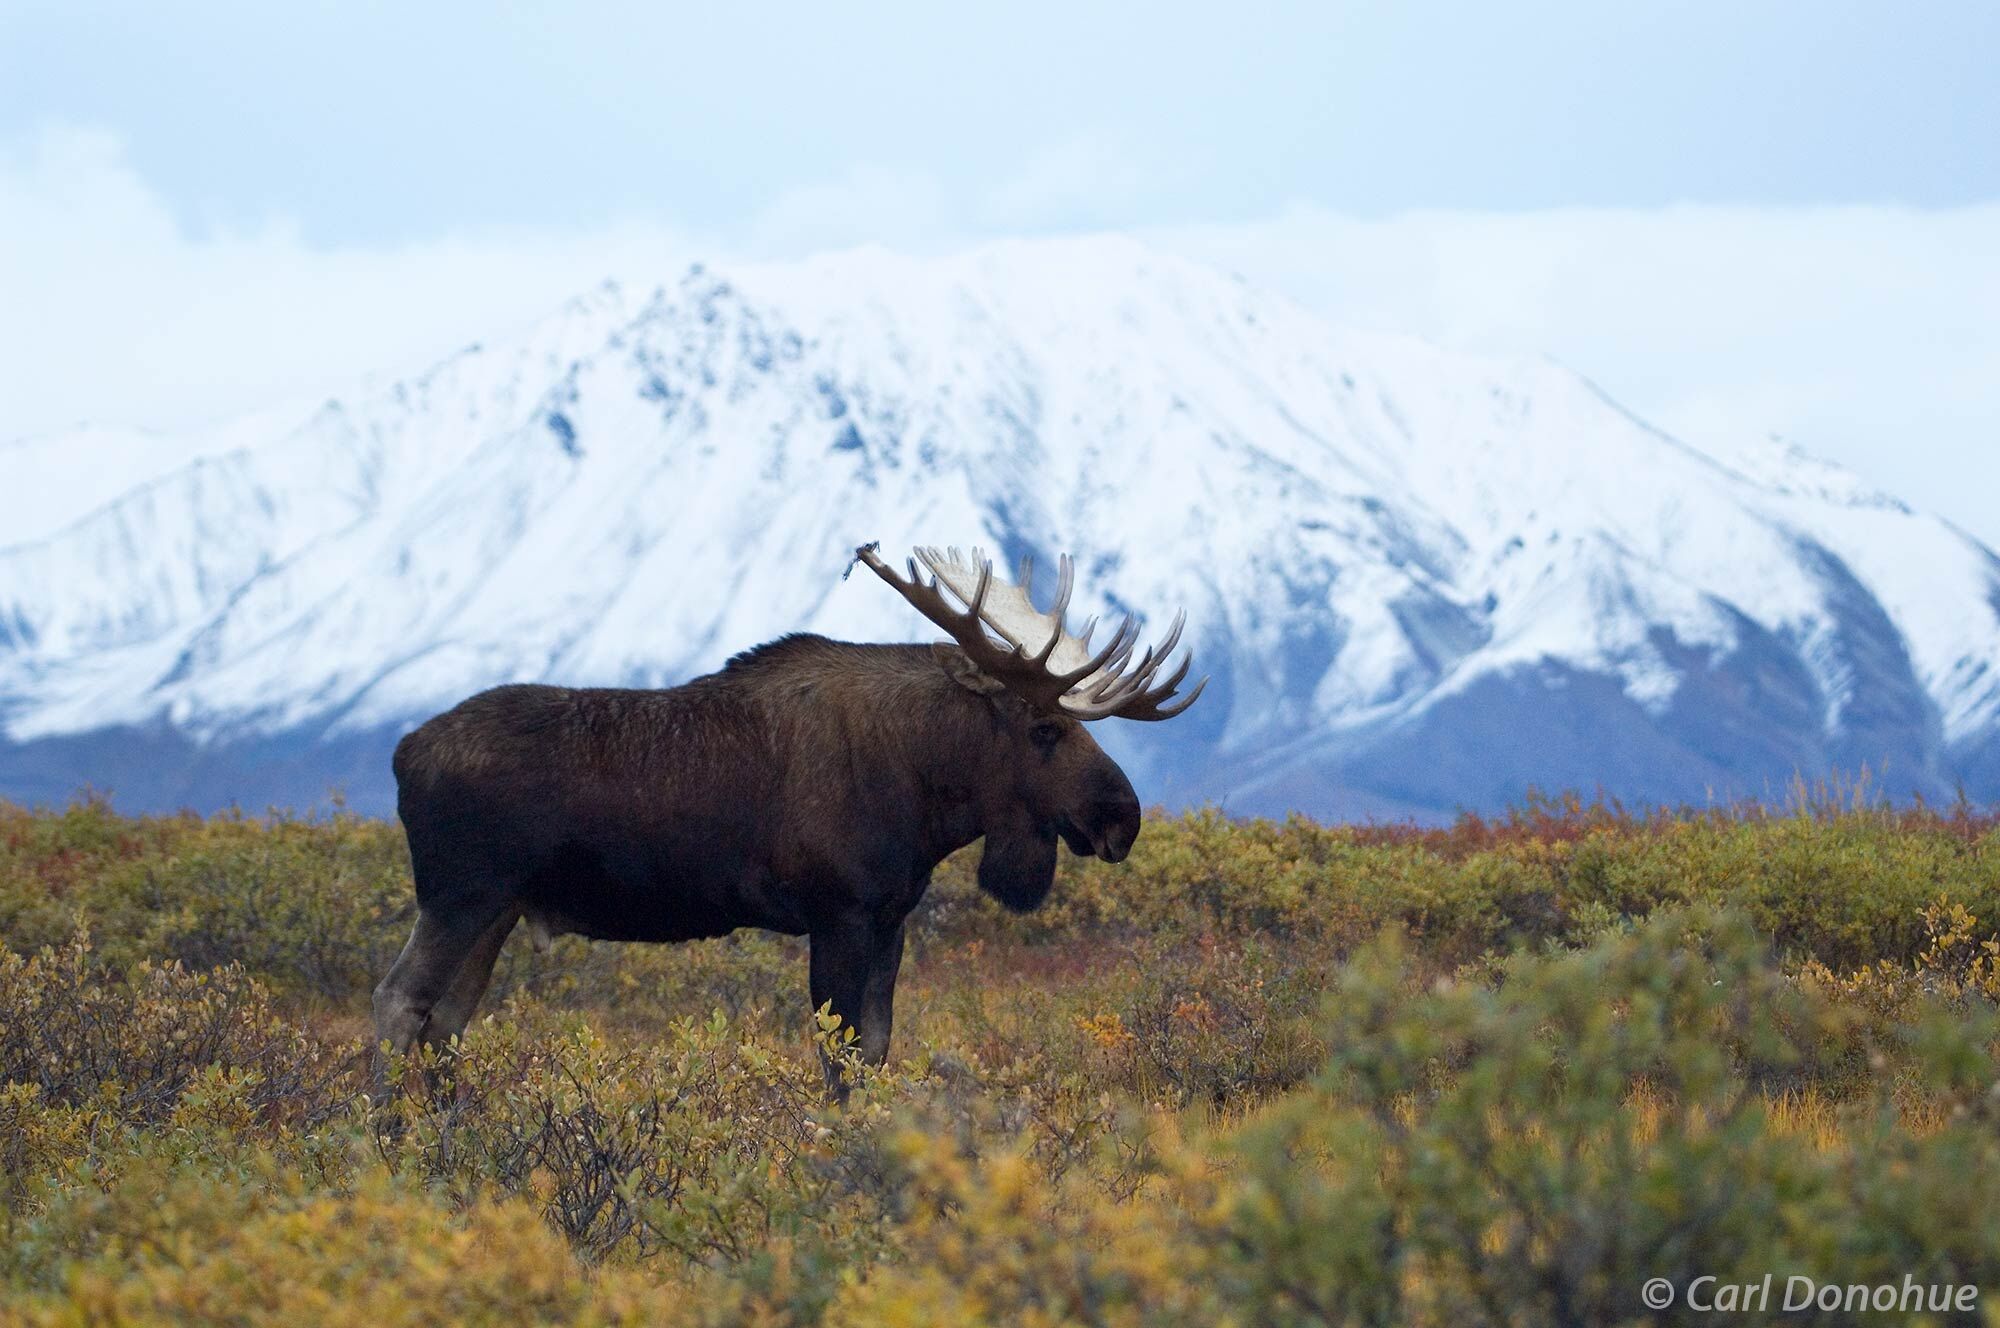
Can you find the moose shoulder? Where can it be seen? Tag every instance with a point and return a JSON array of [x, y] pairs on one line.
[[809, 787]]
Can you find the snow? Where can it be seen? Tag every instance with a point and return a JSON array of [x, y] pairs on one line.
[[647, 482]]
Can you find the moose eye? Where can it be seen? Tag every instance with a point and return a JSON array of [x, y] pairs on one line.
[[1045, 734]]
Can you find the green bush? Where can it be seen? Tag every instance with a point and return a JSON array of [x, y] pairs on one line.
[[1534, 1152]]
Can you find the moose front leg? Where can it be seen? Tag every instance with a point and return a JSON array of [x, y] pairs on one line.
[[878, 999], [853, 970]]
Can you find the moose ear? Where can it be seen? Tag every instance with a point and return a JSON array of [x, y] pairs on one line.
[[963, 671]]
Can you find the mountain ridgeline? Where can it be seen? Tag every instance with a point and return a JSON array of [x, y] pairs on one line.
[[1422, 580]]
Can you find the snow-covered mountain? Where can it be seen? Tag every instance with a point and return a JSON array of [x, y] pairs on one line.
[[1421, 579]]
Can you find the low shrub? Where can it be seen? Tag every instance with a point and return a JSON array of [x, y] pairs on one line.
[[131, 1044], [695, 1143], [1536, 1151], [1497, 1072], [379, 1256]]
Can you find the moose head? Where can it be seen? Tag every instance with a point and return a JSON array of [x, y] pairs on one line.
[[1047, 776]]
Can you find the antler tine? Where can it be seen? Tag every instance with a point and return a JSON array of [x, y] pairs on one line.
[[1108, 660], [1118, 683], [1143, 705], [1148, 707], [1065, 582], [1171, 711], [1128, 637], [979, 595], [1166, 689], [1155, 656], [1114, 679], [1127, 686], [1058, 611], [1151, 699]]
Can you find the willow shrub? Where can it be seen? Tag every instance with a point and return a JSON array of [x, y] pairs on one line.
[[313, 907], [695, 1144], [317, 907], [1527, 1153], [1845, 887], [382, 1254], [130, 1046], [1535, 1151]]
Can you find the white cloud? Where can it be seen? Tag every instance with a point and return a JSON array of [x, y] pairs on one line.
[[1087, 179], [868, 205], [1866, 334], [1084, 180], [114, 311]]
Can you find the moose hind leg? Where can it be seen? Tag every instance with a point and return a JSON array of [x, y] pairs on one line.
[[454, 1010], [423, 973]]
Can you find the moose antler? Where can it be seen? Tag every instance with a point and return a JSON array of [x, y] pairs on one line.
[[1035, 658]]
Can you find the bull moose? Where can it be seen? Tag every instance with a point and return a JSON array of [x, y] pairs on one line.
[[808, 787]]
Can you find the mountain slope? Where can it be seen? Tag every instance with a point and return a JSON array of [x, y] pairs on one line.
[[1422, 580]]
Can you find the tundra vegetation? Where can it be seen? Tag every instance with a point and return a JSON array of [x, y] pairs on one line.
[[1500, 1072]]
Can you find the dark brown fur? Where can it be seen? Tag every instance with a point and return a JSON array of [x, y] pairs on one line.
[[809, 787]]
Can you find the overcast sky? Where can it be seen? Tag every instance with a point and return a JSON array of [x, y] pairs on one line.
[[1738, 218]]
